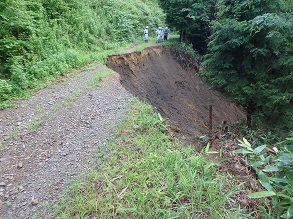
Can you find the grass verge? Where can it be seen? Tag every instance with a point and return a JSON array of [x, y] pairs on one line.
[[146, 173]]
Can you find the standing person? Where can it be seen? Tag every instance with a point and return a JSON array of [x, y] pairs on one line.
[[159, 33], [146, 34], [166, 32]]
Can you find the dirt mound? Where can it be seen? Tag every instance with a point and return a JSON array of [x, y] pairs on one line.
[[178, 94]]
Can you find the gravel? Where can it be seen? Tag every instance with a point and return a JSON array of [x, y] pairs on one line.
[[52, 138]]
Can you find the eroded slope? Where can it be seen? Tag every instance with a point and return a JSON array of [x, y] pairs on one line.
[[178, 94]]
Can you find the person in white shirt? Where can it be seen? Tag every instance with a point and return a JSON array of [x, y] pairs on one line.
[[159, 33], [146, 34]]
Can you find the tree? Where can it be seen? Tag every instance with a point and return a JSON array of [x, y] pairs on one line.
[[251, 57], [192, 19]]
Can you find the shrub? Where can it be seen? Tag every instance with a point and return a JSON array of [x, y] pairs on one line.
[[5, 90]]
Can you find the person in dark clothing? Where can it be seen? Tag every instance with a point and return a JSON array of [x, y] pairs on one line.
[[166, 32]]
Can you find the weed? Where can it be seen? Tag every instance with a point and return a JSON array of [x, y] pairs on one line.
[[95, 80], [69, 100], [35, 124], [13, 135], [274, 169], [147, 175]]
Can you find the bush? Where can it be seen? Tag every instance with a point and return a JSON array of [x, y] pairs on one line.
[[5, 90]]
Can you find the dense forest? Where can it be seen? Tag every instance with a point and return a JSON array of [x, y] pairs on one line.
[[41, 39]]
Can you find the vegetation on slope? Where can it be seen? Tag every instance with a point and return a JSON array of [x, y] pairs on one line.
[[274, 168], [41, 39]]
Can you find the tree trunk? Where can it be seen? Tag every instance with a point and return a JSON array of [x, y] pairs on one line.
[[182, 36], [248, 119], [249, 111]]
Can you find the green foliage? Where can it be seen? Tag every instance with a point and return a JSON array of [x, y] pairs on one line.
[[246, 10], [192, 19], [5, 90], [41, 39], [250, 58], [274, 168]]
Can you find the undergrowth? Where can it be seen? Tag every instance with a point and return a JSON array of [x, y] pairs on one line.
[[273, 167], [146, 173]]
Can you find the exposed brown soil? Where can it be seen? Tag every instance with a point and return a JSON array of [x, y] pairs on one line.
[[178, 94]]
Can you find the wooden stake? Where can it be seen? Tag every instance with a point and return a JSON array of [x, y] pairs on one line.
[[210, 119]]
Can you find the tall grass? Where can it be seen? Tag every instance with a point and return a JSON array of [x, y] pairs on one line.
[[146, 173]]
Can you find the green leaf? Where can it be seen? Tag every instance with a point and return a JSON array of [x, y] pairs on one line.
[[259, 149], [125, 209], [257, 164], [286, 201], [267, 185], [285, 159], [261, 175], [290, 211], [246, 142], [212, 152], [160, 117], [279, 180], [271, 169], [147, 199], [243, 151], [246, 145], [289, 149], [261, 194], [285, 196], [207, 148], [138, 193]]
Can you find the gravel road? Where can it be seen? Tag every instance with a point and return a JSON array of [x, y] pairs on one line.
[[51, 138]]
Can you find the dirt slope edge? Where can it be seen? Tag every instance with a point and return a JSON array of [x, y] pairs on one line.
[[179, 95]]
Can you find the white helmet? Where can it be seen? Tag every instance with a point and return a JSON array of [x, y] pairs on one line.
[[147, 27]]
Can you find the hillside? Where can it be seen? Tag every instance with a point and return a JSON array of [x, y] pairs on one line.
[[177, 93]]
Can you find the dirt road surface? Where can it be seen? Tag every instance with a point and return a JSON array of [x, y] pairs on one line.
[[53, 137]]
